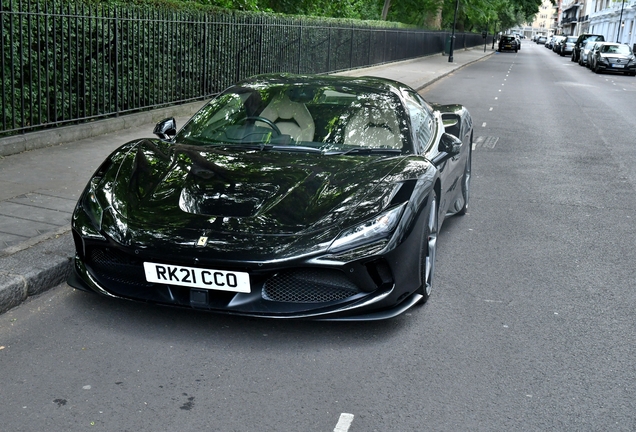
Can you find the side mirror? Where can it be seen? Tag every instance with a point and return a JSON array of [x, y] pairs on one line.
[[450, 144], [166, 129]]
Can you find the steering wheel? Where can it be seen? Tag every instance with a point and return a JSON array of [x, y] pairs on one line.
[[268, 122]]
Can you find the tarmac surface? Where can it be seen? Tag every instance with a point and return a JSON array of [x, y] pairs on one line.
[[43, 173]]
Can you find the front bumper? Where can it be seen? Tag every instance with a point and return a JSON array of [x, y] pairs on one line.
[[363, 289]]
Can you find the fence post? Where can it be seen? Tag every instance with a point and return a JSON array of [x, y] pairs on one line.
[[351, 49], [116, 40]]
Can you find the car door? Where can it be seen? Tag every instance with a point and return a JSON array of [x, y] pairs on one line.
[[428, 139]]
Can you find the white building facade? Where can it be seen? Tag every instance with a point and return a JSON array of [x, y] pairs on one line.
[[615, 20]]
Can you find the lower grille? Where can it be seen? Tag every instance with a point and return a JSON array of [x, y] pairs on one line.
[[309, 286], [117, 267]]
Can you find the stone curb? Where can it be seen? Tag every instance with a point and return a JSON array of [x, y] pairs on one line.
[[34, 270]]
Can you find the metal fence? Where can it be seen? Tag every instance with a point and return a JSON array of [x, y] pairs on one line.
[[64, 63]]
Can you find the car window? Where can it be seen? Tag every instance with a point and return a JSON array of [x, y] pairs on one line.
[[320, 116], [422, 120], [615, 49]]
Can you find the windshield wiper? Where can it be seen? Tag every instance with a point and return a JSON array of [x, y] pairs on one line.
[[365, 151], [294, 148], [230, 146]]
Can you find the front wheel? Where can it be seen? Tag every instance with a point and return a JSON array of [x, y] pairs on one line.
[[466, 179], [428, 250]]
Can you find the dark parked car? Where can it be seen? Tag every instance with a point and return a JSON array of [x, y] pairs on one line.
[[614, 57], [508, 43], [567, 45], [576, 52], [285, 196]]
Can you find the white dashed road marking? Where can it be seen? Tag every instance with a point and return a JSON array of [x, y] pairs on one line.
[[344, 422]]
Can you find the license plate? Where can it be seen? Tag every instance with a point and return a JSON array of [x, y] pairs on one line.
[[617, 66], [197, 277]]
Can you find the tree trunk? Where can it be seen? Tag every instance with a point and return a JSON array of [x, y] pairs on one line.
[[385, 9]]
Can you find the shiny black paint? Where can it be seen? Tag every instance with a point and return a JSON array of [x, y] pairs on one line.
[[268, 211]]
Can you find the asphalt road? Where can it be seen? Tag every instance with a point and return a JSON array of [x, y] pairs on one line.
[[530, 326]]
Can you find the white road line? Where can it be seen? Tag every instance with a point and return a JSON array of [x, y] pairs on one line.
[[490, 109], [344, 422], [483, 124]]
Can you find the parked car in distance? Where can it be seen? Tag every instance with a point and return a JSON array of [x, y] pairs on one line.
[[567, 45], [615, 57], [549, 41], [556, 44], [587, 47], [541, 40], [508, 43], [590, 54], [576, 52]]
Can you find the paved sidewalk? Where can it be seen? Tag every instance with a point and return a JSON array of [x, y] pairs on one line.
[[39, 187]]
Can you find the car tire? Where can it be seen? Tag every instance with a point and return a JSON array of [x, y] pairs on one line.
[[596, 69], [428, 250], [573, 58], [466, 179]]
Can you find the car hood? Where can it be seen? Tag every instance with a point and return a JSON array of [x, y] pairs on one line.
[[180, 191]]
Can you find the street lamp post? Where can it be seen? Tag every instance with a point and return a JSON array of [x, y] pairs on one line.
[[452, 41], [618, 33]]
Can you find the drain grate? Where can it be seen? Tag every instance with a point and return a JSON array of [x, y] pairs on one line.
[[485, 142]]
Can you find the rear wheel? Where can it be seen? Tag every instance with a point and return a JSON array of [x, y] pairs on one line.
[[428, 250]]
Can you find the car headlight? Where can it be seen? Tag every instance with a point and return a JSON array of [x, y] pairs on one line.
[[371, 230], [91, 205], [602, 60]]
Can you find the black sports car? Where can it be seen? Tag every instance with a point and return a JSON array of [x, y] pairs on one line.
[[286, 196]]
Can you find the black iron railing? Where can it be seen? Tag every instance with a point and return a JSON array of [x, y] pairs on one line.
[[67, 63]]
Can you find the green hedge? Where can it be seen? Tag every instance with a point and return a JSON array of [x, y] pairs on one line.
[[64, 62]]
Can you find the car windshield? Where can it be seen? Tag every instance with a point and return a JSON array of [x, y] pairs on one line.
[[615, 49], [301, 117]]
